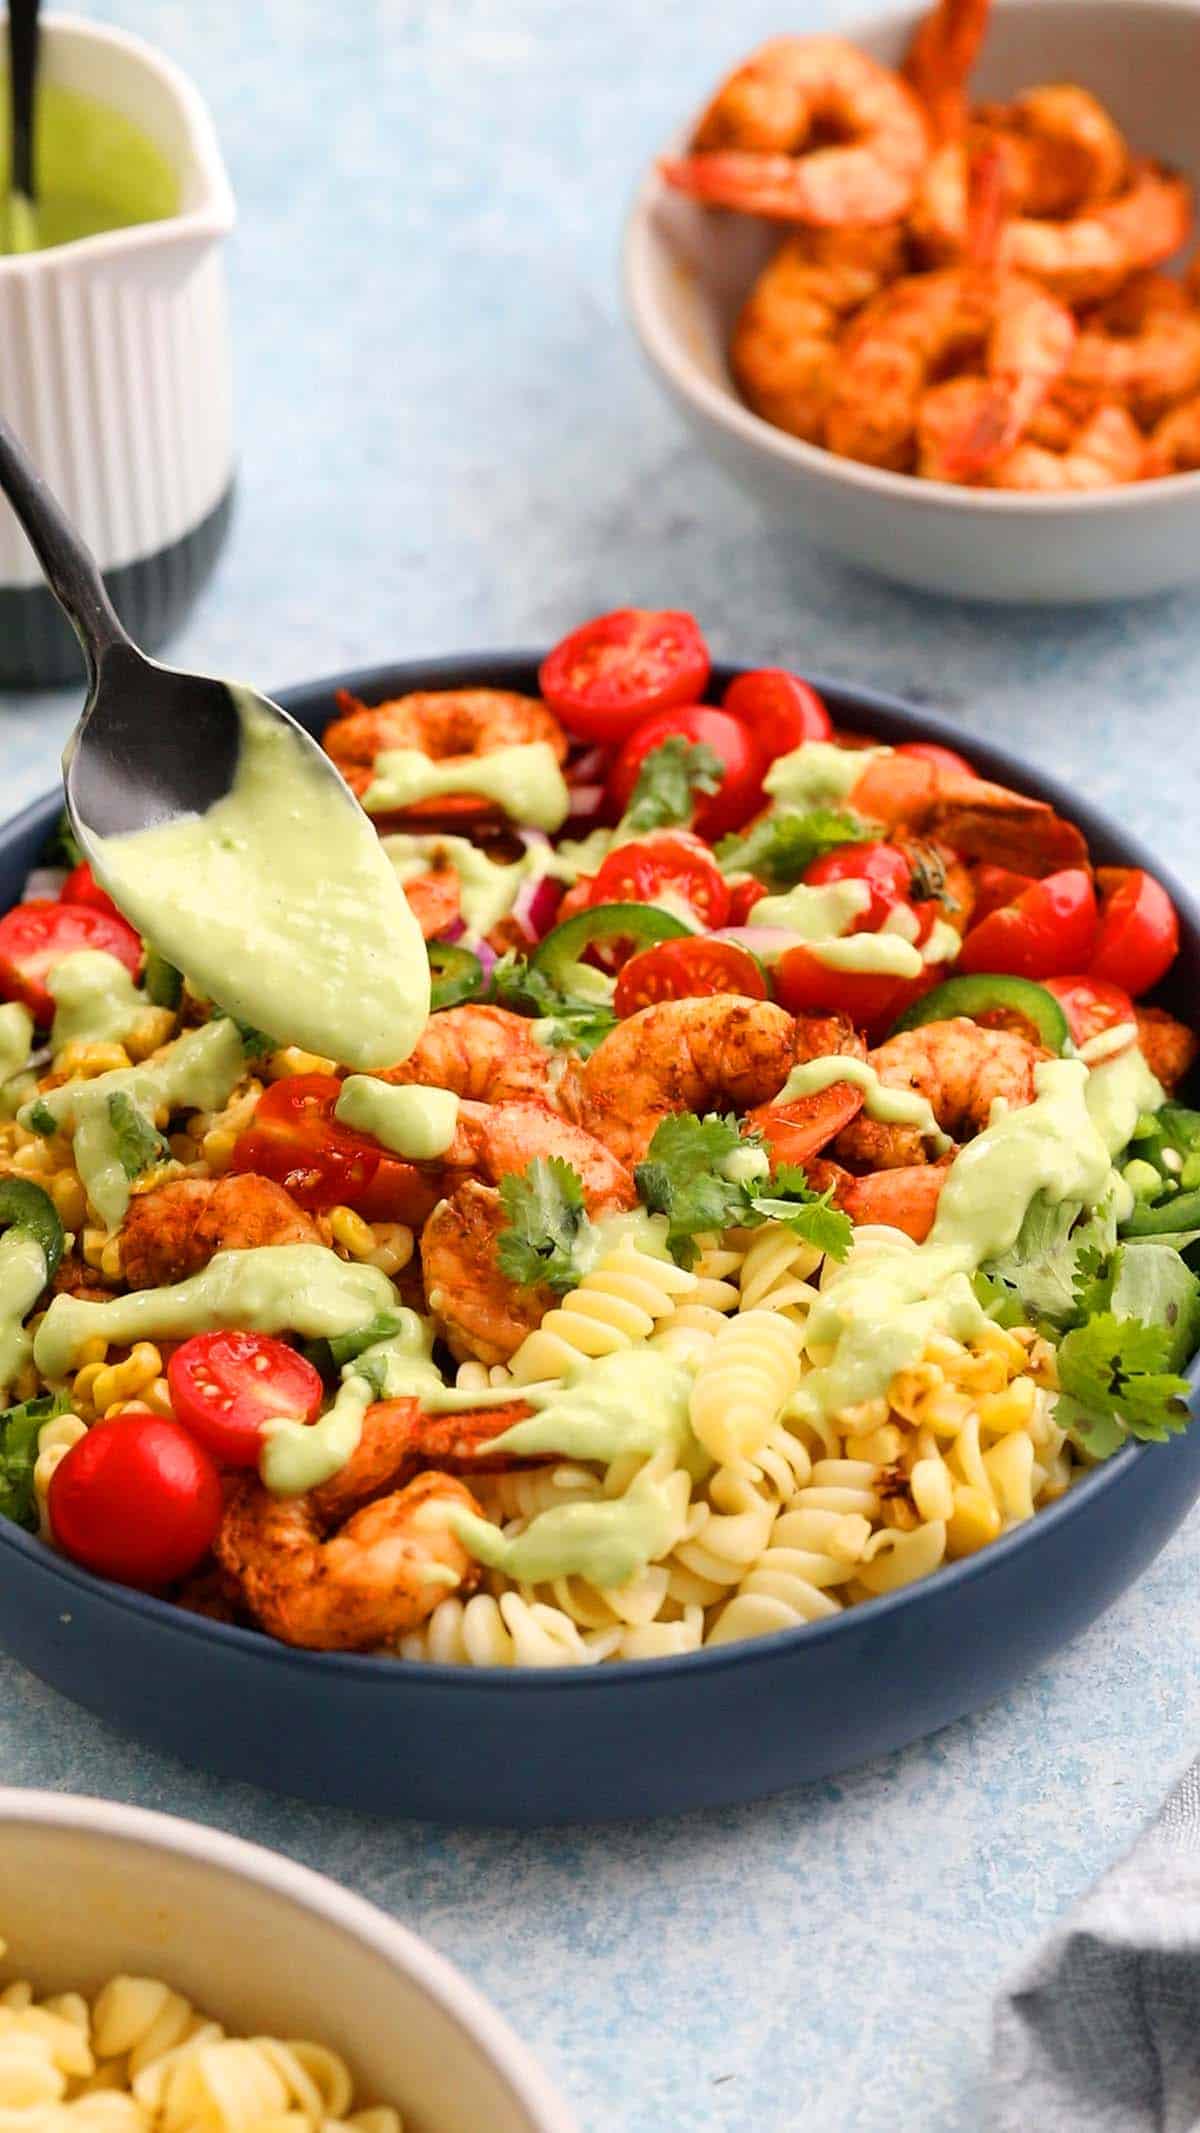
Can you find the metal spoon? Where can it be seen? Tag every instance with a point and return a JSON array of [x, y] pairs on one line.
[[21, 233], [151, 743]]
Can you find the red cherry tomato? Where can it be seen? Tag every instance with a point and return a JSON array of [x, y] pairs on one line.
[[1090, 1005], [613, 671], [136, 1500], [885, 871], [780, 710], [685, 969], [743, 896], [1139, 931], [295, 1139], [1048, 931], [82, 887], [35, 936], [943, 758], [803, 984], [739, 794], [667, 862], [224, 1386], [995, 887]]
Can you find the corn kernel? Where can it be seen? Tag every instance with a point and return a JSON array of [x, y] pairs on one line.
[[110, 1259], [83, 1388], [350, 1231], [896, 1511], [70, 1200], [290, 1059], [118, 1382], [868, 1415], [975, 1522], [1012, 1409], [94, 1351], [882, 1447], [92, 1244], [932, 1491], [1004, 1343], [79, 1061], [393, 1247], [217, 1148], [911, 1389], [152, 1029]]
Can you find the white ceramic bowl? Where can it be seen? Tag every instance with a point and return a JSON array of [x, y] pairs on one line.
[[88, 1889], [688, 270]]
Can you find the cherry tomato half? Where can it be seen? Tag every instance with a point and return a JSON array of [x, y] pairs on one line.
[[136, 1500], [872, 1000], [686, 969], [739, 794], [667, 862], [1047, 932], [1139, 931], [35, 936], [743, 896], [82, 887], [995, 887], [1090, 1005], [224, 1386], [613, 671], [943, 758], [295, 1139], [886, 872], [780, 710]]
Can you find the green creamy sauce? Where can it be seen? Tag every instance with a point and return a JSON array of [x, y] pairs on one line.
[[196, 1073], [1118, 1092], [821, 918], [524, 780], [95, 1000], [892, 1107], [94, 170], [277, 1288], [487, 887], [16, 1038], [818, 774], [632, 1402], [416, 1123], [879, 1307], [298, 1456], [22, 1279], [279, 904]]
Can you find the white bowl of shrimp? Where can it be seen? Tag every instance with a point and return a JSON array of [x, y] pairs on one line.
[[1091, 520], [202, 1982]]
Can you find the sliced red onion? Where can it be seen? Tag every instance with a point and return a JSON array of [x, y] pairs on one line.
[[454, 931], [43, 882], [535, 905], [587, 801], [589, 768], [487, 959]]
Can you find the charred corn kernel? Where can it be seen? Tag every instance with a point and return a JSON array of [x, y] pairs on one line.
[[1011, 1409], [975, 1521], [79, 1061], [70, 1199], [217, 1148], [881, 1446], [290, 1059], [351, 1232], [393, 1247], [117, 1382], [1003, 1342], [898, 1513], [945, 1411], [154, 1026], [868, 1415], [932, 1490], [1043, 1364], [911, 1389]]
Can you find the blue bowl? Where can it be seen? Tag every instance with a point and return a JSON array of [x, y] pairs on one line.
[[650, 1737]]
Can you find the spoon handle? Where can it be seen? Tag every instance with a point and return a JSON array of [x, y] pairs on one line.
[[22, 61], [70, 568]]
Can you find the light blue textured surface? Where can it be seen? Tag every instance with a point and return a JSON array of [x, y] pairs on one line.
[[446, 439]]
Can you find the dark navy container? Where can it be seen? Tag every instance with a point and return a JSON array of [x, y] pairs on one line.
[[650, 1737]]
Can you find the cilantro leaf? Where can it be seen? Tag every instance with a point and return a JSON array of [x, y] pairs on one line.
[[780, 845], [1095, 1272], [668, 782], [1113, 1373], [139, 1142], [1042, 1267], [161, 982], [546, 1225], [1002, 1304], [577, 1025], [809, 1214], [679, 1178], [42, 1120], [19, 1427]]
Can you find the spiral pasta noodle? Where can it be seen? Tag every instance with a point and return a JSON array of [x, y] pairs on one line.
[[142, 2059], [55, 1439], [775, 1270], [728, 1537], [619, 1304], [744, 1383], [504, 1631]]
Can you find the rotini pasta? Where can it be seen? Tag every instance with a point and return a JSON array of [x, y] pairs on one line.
[[626, 1295], [775, 1271], [142, 2059], [743, 1384], [508, 1631]]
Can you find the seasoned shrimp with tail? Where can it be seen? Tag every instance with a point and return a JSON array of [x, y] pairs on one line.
[[448, 725], [961, 1069], [978, 819], [173, 1230], [486, 1054]]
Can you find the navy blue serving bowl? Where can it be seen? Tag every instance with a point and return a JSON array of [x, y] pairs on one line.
[[651, 1737]]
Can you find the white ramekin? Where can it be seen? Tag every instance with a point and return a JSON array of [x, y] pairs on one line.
[[88, 1889], [115, 370]]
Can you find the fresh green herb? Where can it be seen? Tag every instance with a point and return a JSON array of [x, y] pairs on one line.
[[19, 1427], [1116, 1384], [809, 1214], [668, 783], [344, 1347], [139, 1143], [161, 982], [546, 1225], [255, 1042], [61, 848], [782, 844], [575, 1024], [1001, 1303], [682, 1178], [1042, 1268], [42, 1120]]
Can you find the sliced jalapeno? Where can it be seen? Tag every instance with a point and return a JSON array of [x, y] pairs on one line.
[[457, 975], [560, 956], [24, 1206], [995, 999]]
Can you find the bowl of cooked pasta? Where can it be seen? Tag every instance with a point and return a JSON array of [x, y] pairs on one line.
[[954, 336], [780, 1337], [157, 1976]]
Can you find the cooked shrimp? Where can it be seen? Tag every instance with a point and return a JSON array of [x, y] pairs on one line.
[[795, 1132], [961, 1069], [1058, 152], [940, 59], [484, 1053], [1174, 446], [173, 1230], [1169, 1047], [785, 345], [450, 725], [722, 1053], [979, 819], [400, 1440], [967, 424], [434, 898], [381, 1575], [1141, 347], [751, 149], [905, 1198], [495, 1141], [1089, 256], [1107, 450]]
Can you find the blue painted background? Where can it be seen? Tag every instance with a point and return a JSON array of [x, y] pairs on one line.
[[446, 439]]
